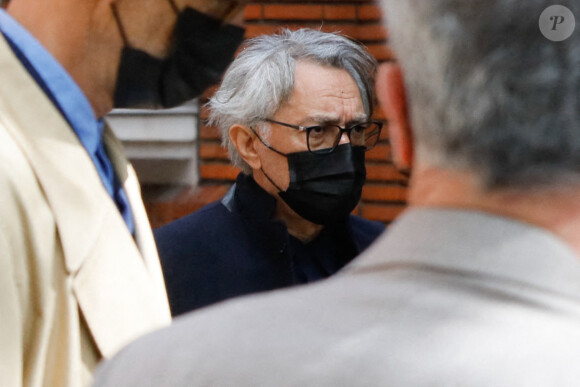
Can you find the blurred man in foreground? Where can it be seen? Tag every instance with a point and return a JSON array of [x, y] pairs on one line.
[[79, 271], [478, 283]]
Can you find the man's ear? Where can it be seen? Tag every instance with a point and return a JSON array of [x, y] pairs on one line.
[[391, 94], [245, 142]]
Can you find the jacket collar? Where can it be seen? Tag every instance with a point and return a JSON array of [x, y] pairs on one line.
[[99, 253], [251, 200], [476, 244], [64, 170]]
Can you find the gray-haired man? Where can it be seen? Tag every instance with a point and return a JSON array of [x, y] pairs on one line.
[[478, 283], [295, 112]]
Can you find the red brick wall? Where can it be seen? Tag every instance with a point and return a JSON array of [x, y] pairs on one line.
[[384, 193]]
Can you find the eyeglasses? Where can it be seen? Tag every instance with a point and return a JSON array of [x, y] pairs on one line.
[[323, 139]]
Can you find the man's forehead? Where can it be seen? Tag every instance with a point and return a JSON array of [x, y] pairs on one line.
[[323, 95]]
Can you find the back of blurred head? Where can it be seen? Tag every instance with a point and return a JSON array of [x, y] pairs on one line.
[[487, 92]]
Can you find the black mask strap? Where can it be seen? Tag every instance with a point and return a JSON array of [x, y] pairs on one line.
[[174, 6], [119, 24], [267, 145], [270, 179], [273, 149]]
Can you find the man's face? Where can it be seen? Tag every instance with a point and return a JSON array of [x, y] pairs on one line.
[[322, 95]]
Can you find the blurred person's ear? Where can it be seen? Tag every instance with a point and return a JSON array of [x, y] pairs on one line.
[[392, 98], [244, 140]]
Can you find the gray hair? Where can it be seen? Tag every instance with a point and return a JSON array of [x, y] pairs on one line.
[[487, 91], [261, 78]]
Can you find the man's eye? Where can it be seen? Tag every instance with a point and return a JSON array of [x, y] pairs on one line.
[[359, 128], [316, 130]]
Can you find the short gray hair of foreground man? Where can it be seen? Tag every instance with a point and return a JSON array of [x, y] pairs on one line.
[[478, 282]]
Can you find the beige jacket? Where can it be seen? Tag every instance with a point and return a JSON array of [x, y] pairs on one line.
[[74, 284]]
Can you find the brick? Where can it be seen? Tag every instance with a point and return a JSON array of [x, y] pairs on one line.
[[339, 12], [364, 33], [212, 151], [369, 12], [381, 213], [384, 172], [253, 12], [372, 32], [218, 171], [385, 193], [209, 133], [192, 200], [361, 33], [188, 200], [381, 152], [209, 92], [356, 211], [253, 30], [378, 114], [343, 29], [293, 12], [159, 213], [262, 29], [381, 52], [385, 132]]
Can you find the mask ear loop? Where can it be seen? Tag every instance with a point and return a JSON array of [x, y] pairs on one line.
[[272, 149], [174, 6], [267, 145], [270, 180], [234, 8], [119, 23]]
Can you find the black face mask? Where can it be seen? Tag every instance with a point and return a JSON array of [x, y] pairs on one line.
[[201, 51], [324, 188]]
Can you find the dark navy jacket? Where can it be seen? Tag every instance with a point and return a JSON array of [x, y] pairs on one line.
[[232, 247]]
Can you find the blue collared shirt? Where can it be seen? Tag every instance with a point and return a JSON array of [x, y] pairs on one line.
[[70, 101]]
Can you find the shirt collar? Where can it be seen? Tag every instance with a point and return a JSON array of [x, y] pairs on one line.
[[74, 104], [252, 200]]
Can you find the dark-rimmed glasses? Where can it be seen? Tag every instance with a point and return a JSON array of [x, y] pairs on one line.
[[322, 139]]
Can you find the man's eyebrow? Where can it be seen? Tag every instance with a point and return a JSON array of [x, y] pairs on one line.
[[321, 119], [358, 120], [333, 119]]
